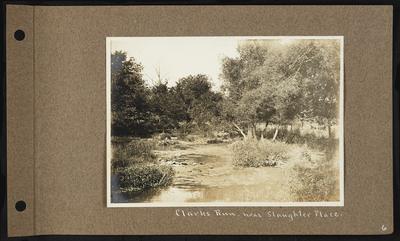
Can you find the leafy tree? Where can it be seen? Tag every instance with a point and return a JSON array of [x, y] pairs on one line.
[[244, 82], [240, 73], [129, 97], [268, 83], [201, 104], [167, 108], [322, 86], [316, 72]]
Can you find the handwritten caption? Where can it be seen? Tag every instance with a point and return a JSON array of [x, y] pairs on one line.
[[289, 216]]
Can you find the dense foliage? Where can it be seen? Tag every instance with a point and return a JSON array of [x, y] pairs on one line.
[[253, 153], [310, 182], [266, 83], [138, 110], [136, 166], [273, 84], [138, 178]]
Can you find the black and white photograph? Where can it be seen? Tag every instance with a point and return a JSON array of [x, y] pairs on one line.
[[225, 121]]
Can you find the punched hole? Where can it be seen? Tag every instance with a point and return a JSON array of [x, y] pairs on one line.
[[19, 35], [20, 206]]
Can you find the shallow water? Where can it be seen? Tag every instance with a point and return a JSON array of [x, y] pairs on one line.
[[173, 194], [205, 173]]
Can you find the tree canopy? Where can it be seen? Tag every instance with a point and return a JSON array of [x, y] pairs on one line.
[[269, 83], [266, 83]]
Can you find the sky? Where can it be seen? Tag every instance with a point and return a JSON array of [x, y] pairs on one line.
[[177, 57]]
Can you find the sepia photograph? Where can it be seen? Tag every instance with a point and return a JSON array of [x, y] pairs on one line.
[[225, 121]]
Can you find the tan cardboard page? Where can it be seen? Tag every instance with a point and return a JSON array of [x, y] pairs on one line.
[[70, 117], [20, 120]]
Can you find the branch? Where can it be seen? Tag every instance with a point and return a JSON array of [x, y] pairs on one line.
[[240, 130], [300, 57], [299, 67]]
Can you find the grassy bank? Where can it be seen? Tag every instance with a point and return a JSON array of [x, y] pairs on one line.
[[255, 153], [135, 165], [312, 162], [311, 181]]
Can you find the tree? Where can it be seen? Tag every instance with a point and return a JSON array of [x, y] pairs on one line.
[[200, 103], [129, 97], [318, 76], [270, 84], [245, 82], [239, 74], [167, 108]]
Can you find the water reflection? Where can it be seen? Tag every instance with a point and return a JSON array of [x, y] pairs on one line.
[[206, 174], [234, 193]]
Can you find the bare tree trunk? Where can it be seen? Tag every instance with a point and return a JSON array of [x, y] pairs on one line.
[[276, 133], [263, 130], [329, 131], [249, 132], [240, 130]]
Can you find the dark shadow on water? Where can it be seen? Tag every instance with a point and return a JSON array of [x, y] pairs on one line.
[[150, 194], [137, 197], [175, 194], [124, 197], [183, 187]]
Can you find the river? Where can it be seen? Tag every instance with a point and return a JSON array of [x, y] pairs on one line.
[[204, 173]]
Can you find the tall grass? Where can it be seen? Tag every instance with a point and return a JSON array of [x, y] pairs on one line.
[[131, 153], [133, 161], [295, 136], [141, 177], [253, 153], [311, 181], [317, 142]]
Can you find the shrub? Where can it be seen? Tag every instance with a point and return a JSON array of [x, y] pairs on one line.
[[314, 182], [294, 136], [135, 151], [253, 153], [215, 141], [121, 140], [135, 148], [141, 177]]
